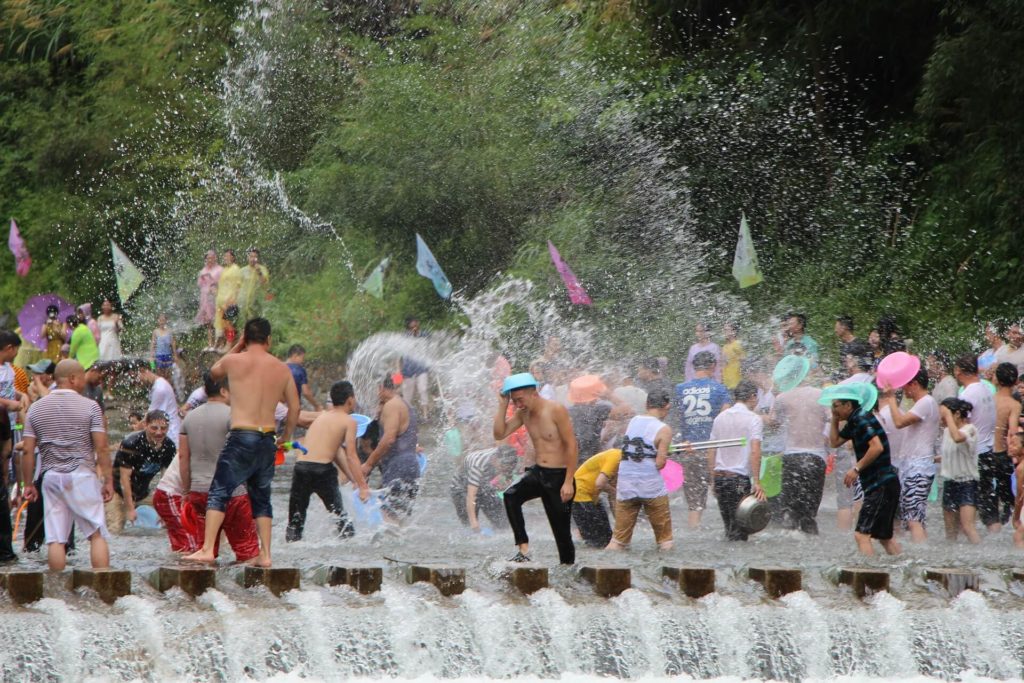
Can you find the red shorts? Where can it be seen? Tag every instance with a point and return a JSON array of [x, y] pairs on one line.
[[239, 526], [169, 509]]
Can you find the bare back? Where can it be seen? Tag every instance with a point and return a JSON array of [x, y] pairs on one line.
[[547, 425], [258, 382], [326, 435]]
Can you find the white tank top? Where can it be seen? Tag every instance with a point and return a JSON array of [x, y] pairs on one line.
[[641, 479]]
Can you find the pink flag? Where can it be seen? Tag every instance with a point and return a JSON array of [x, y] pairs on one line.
[[17, 245], [577, 294]]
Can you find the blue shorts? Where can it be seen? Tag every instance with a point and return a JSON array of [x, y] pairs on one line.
[[164, 361], [247, 458], [957, 494]]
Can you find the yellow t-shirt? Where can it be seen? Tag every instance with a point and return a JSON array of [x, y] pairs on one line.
[[733, 354], [606, 463]]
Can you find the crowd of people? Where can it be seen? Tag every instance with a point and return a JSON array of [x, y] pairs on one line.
[[563, 433]]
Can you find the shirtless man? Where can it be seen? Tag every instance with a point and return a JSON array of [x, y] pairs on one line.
[[330, 442], [396, 454], [1004, 449], [551, 478], [258, 381]]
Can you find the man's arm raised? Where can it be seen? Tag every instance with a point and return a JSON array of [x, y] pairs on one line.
[[502, 427]]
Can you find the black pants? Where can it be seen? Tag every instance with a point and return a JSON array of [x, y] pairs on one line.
[[35, 531], [803, 481], [544, 483], [6, 530], [994, 472], [487, 503], [730, 491], [322, 479], [591, 518]]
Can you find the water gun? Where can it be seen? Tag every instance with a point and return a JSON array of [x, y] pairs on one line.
[[700, 445], [289, 445]]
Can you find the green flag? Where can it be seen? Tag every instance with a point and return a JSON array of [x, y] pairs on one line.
[[128, 276], [744, 265], [374, 285]]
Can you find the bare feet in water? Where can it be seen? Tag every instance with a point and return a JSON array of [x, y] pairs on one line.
[[259, 561], [201, 556]]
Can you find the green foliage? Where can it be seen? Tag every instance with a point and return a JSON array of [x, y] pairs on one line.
[[877, 149]]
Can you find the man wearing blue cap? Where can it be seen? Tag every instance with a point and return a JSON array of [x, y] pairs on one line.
[[316, 470], [551, 478], [873, 465]]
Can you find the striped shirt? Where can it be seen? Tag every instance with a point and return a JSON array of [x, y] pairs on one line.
[[62, 425], [480, 467]]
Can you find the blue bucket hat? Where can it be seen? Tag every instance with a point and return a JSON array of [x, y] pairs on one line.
[[865, 393], [520, 381], [362, 422], [790, 371]]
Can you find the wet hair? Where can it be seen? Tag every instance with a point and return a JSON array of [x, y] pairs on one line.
[[72, 320], [387, 384], [704, 360], [410, 319], [658, 399], [853, 403], [1006, 374], [958, 406], [745, 391], [8, 338], [341, 392], [507, 456], [887, 327], [230, 251], [253, 250], [257, 331], [846, 321], [651, 363], [155, 415], [212, 386], [231, 313], [862, 355], [968, 364], [921, 378], [372, 434], [942, 358], [998, 326], [296, 350], [52, 309], [799, 316], [135, 415]]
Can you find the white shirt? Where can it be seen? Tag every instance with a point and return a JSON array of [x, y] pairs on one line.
[[161, 397], [641, 479], [919, 438], [983, 414], [170, 482], [894, 435], [738, 421]]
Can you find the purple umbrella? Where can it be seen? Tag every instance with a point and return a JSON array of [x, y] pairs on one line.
[[33, 315]]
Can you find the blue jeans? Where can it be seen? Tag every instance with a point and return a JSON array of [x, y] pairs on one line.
[[247, 457]]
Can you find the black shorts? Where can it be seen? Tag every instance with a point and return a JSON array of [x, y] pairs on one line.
[[958, 494], [5, 426], [879, 510]]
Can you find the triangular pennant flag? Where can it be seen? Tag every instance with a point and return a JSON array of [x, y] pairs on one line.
[[128, 276], [22, 261], [577, 295], [374, 284], [428, 267], [744, 266]]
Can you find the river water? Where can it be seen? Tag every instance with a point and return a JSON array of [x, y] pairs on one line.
[[492, 632]]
